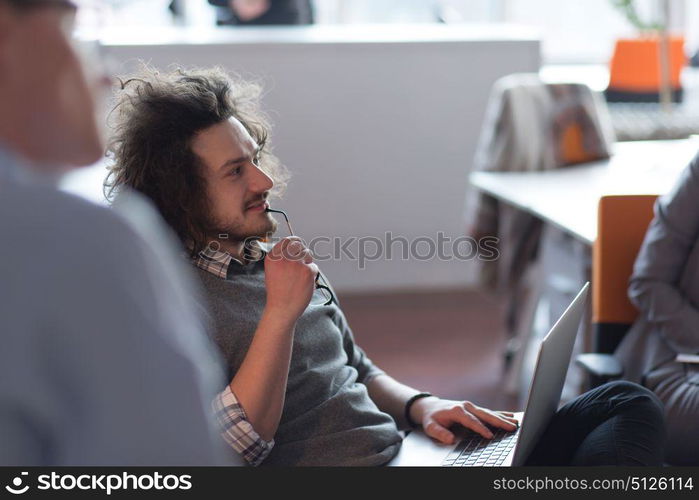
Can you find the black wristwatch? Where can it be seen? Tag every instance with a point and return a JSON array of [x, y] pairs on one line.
[[409, 405]]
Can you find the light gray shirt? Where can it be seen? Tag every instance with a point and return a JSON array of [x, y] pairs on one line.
[[102, 361]]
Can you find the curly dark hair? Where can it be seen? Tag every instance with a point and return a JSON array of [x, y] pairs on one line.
[[155, 117]]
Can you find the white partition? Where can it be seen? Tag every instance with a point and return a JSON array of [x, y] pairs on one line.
[[377, 124]]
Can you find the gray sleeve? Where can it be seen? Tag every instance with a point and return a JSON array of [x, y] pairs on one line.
[[91, 371], [669, 247], [355, 355]]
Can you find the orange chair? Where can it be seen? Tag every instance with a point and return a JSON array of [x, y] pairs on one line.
[[622, 222]]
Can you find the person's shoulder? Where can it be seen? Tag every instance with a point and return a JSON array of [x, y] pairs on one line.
[[686, 186], [77, 249], [37, 216], [62, 258]]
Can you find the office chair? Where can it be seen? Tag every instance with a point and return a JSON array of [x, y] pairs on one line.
[[622, 224], [530, 125]]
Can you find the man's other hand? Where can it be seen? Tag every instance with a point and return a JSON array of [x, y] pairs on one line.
[[437, 415]]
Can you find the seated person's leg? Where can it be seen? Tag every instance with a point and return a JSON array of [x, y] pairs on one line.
[[677, 386], [619, 423]]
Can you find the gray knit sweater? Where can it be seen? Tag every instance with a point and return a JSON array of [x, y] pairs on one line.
[[328, 417]]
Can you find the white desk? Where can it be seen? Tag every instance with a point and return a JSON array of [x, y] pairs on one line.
[[568, 197], [566, 200]]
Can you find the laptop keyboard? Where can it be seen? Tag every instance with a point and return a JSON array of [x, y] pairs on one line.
[[477, 451]]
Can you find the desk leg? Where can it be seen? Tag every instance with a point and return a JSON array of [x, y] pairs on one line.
[[587, 333], [562, 268], [530, 299]]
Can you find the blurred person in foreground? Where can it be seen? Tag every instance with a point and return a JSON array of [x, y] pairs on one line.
[[99, 342], [301, 391]]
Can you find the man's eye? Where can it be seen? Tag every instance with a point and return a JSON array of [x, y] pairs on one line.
[[235, 171]]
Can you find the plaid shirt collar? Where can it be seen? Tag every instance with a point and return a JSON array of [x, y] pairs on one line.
[[218, 262]]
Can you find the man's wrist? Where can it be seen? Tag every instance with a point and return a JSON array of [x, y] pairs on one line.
[[415, 408], [278, 319]]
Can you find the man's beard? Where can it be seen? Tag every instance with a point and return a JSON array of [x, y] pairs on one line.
[[258, 230]]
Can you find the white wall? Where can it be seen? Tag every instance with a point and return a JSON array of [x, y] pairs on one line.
[[378, 126]]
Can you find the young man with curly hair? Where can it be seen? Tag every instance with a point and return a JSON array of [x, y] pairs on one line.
[[301, 391]]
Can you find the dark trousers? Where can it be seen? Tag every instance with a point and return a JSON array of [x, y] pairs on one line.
[[619, 423]]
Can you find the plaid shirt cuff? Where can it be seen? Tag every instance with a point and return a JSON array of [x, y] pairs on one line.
[[237, 431]]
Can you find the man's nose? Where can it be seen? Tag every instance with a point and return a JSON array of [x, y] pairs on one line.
[[261, 182]]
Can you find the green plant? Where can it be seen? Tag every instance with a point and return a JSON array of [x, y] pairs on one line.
[[628, 8]]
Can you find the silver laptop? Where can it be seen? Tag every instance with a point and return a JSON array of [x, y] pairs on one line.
[[509, 449]]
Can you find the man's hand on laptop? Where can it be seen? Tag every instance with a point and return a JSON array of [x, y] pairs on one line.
[[438, 415]]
